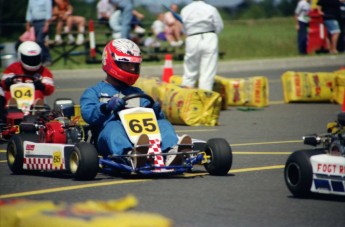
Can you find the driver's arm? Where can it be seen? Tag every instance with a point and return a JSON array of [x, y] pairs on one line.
[[47, 81], [92, 110], [6, 80]]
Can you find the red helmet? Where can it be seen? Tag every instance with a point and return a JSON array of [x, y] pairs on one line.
[[121, 59]]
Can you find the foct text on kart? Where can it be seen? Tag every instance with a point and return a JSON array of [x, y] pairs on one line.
[[319, 170]]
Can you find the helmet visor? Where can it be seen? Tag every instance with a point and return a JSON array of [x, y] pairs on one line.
[[33, 61], [129, 67]]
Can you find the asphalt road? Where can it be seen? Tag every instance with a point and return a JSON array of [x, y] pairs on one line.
[[252, 194]]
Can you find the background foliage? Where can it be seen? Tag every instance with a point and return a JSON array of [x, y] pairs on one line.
[[262, 30], [12, 13]]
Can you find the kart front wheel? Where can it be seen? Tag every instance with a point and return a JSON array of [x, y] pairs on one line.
[[83, 161], [298, 173], [219, 157], [15, 151]]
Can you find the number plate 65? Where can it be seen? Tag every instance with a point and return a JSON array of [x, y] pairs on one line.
[[137, 121]]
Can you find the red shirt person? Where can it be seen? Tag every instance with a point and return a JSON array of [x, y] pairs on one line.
[[29, 69]]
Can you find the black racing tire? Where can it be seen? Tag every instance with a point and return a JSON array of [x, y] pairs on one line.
[[298, 173], [220, 157], [83, 161], [15, 151]]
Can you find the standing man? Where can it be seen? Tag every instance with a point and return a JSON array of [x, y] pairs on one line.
[[202, 23], [302, 23], [330, 11], [39, 15]]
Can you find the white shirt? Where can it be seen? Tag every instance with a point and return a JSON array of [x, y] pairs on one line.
[[200, 17], [302, 10], [103, 6], [157, 27]]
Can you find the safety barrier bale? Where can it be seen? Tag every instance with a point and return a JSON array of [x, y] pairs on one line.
[[308, 86], [187, 106]]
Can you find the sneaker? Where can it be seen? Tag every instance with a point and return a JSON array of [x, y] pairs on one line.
[[58, 40], [179, 43], [141, 147], [71, 39], [173, 43], [184, 144], [80, 39], [139, 30]]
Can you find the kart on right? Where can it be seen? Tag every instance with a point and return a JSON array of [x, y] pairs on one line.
[[322, 169]]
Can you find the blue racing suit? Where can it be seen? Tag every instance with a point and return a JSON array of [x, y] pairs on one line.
[[112, 138]]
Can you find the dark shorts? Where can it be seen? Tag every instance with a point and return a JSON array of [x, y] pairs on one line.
[[332, 26]]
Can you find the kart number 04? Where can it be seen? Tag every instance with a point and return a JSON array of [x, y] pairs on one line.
[[23, 93]]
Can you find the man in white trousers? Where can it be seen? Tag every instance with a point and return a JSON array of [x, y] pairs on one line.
[[202, 22]]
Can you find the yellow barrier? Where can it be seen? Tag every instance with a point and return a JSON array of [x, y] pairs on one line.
[[23, 213], [186, 106], [307, 86]]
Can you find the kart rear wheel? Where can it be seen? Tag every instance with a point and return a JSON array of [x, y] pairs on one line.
[[15, 151], [298, 173], [220, 157], [83, 161]]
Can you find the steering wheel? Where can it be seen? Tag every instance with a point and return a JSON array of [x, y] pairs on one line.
[[138, 95], [21, 77]]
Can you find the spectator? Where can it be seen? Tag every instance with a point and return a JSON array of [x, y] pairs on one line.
[[302, 23], [202, 23], [173, 28], [105, 8], [39, 15], [29, 64], [115, 23], [126, 7], [341, 43], [26, 36], [136, 22], [158, 27], [101, 103], [330, 10], [63, 12]]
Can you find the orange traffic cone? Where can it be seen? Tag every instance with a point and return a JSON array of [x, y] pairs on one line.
[[168, 68]]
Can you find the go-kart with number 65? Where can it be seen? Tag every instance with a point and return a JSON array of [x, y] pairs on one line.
[[319, 170], [59, 144]]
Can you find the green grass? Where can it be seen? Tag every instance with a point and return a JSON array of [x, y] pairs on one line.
[[264, 38], [240, 40]]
